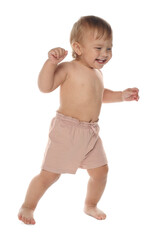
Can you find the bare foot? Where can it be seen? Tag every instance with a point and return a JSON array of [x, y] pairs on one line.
[[93, 211], [26, 215]]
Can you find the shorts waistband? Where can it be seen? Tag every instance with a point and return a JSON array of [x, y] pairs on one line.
[[76, 121]]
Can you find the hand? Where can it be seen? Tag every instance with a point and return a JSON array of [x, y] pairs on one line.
[[130, 94], [56, 55]]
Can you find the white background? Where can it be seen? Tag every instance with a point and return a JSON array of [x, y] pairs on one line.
[[131, 131]]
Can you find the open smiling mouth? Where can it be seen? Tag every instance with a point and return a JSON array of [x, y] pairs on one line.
[[101, 61]]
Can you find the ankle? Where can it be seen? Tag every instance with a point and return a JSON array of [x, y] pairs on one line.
[[28, 206], [90, 205]]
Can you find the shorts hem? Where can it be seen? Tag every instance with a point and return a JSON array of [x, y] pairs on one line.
[[58, 171], [95, 166]]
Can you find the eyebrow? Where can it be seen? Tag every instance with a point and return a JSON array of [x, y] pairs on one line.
[[100, 45]]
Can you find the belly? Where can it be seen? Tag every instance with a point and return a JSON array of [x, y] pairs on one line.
[[86, 110]]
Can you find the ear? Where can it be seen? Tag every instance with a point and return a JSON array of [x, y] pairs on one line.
[[77, 48]]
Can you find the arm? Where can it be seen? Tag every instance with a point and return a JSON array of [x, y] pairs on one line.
[[111, 96], [52, 74], [126, 95]]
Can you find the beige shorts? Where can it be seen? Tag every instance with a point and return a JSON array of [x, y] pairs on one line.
[[73, 144]]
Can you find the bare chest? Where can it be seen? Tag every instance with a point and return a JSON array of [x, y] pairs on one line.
[[83, 86]]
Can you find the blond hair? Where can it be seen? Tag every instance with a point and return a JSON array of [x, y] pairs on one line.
[[89, 23]]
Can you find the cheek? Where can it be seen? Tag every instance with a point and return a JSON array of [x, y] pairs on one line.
[[109, 56], [92, 55], [96, 54]]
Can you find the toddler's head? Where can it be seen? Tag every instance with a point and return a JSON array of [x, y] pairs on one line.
[[89, 24]]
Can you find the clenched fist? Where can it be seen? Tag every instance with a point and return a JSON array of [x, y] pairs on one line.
[[130, 94], [56, 55]]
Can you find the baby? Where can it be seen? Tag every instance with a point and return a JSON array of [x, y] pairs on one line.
[[74, 140]]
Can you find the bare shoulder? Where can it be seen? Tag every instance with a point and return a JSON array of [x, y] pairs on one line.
[[70, 64], [64, 66], [62, 70]]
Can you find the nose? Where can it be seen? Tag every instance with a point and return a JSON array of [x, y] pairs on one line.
[[104, 53]]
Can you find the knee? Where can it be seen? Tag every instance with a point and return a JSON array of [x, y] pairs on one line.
[[106, 169], [48, 178], [104, 172], [100, 173]]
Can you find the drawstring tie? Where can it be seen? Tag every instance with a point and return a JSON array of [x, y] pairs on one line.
[[94, 128]]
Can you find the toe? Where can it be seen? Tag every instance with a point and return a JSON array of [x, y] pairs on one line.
[[23, 219], [28, 221], [33, 221], [26, 216], [20, 217], [101, 216]]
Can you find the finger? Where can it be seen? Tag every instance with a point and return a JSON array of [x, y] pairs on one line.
[[61, 58], [52, 52], [57, 54], [137, 98], [130, 98], [52, 55], [60, 52], [64, 53], [135, 89]]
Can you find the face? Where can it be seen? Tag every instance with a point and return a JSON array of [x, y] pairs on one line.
[[95, 53]]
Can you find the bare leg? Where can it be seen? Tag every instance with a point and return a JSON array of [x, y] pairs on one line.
[[36, 189], [95, 189]]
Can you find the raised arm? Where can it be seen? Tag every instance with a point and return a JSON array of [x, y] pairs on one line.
[[52, 73]]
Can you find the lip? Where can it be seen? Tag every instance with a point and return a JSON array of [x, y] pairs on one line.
[[101, 61]]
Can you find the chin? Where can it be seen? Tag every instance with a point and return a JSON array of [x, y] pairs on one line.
[[100, 67]]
